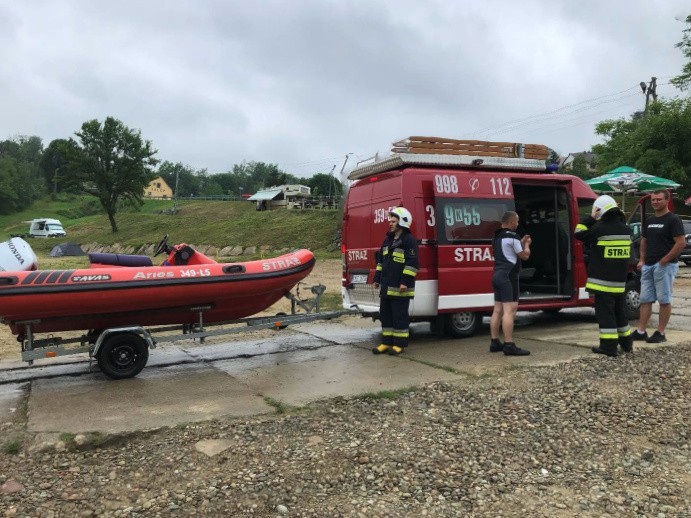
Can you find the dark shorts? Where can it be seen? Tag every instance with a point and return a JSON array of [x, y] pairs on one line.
[[505, 286]]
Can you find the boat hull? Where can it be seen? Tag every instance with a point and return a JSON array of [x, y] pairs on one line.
[[98, 298]]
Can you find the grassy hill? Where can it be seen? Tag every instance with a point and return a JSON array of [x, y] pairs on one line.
[[218, 223]]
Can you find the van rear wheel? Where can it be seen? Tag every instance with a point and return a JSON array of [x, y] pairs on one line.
[[463, 324]]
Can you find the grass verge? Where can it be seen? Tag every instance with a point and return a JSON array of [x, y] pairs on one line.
[[12, 446]]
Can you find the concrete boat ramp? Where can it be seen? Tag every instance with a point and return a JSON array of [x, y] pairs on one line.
[[188, 382]]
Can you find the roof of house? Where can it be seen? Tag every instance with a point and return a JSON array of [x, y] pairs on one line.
[[266, 194]]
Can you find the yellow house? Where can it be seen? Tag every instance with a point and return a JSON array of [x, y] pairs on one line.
[[158, 188]]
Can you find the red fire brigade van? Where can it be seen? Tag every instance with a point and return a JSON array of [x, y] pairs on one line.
[[457, 202]]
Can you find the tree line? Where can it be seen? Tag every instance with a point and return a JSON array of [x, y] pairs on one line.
[[114, 163], [244, 178]]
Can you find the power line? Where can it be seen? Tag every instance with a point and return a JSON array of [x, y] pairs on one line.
[[522, 125], [546, 119], [567, 107], [583, 119]]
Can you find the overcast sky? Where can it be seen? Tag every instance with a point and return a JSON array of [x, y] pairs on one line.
[[301, 83]]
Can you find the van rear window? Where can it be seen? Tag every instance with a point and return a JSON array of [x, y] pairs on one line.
[[469, 220]]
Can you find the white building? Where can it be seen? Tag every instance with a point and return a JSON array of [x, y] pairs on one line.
[[282, 197]]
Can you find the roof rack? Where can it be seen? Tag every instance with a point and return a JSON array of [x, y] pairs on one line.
[[441, 152], [447, 146]]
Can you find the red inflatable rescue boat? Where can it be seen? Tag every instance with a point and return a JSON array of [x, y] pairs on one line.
[[121, 290]]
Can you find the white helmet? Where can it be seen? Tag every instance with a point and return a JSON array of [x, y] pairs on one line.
[[603, 204], [405, 218]]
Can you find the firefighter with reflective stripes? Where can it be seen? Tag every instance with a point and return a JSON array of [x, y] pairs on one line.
[[610, 249], [397, 266]]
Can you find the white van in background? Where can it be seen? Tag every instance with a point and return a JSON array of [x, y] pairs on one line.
[[45, 227]]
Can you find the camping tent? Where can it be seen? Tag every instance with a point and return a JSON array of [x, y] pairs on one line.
[[66, 249]]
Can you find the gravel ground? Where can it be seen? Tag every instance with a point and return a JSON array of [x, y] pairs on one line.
[[596, 437]]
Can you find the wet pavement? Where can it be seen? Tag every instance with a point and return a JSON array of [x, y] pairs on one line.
[[187, 382]]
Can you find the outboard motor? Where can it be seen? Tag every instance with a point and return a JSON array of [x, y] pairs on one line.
[[17, 255]]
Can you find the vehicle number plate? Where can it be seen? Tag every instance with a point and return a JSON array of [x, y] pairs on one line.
[[359, 278]]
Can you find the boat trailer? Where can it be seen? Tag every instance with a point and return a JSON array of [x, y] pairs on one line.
[[122, 352]]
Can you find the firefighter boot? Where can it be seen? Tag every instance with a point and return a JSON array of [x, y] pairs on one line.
[[395, 350], [381, 349], [606, 348], [626, 344]]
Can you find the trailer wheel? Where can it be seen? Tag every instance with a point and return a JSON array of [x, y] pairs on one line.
[[463, 324], [280, 314], [123, 355], [633, 299]]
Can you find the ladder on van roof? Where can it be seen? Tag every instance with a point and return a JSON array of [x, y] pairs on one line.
[[441, 152]]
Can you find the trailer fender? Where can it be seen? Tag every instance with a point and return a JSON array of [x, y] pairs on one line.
[[138, 330]]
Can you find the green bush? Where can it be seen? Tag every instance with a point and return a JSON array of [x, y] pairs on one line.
[[12, 447]]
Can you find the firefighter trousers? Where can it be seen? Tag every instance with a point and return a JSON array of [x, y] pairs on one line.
[[395, 321], [610, 311]]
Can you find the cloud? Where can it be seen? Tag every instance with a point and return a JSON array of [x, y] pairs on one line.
[[303, 83]]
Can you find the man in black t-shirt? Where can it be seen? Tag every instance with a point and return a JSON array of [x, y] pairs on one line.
[[661, 244]]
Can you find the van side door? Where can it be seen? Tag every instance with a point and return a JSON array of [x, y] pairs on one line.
[[469, 206]]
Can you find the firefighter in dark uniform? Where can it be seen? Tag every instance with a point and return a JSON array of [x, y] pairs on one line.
[[397, 266], [610, 248]]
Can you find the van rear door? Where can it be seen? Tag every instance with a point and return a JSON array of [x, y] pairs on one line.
[[365, 223], [546, 210], [469, 206]]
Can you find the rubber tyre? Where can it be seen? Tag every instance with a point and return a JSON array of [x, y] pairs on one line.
[[463, 324], [633, 299], [123, 355]]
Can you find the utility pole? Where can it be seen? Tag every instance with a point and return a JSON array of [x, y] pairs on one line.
[[340, 174], [55, 181], [331, 173], [175, 194], [344, 182], [650, 90]]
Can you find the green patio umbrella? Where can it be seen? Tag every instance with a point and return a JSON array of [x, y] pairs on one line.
[[628, 179]]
